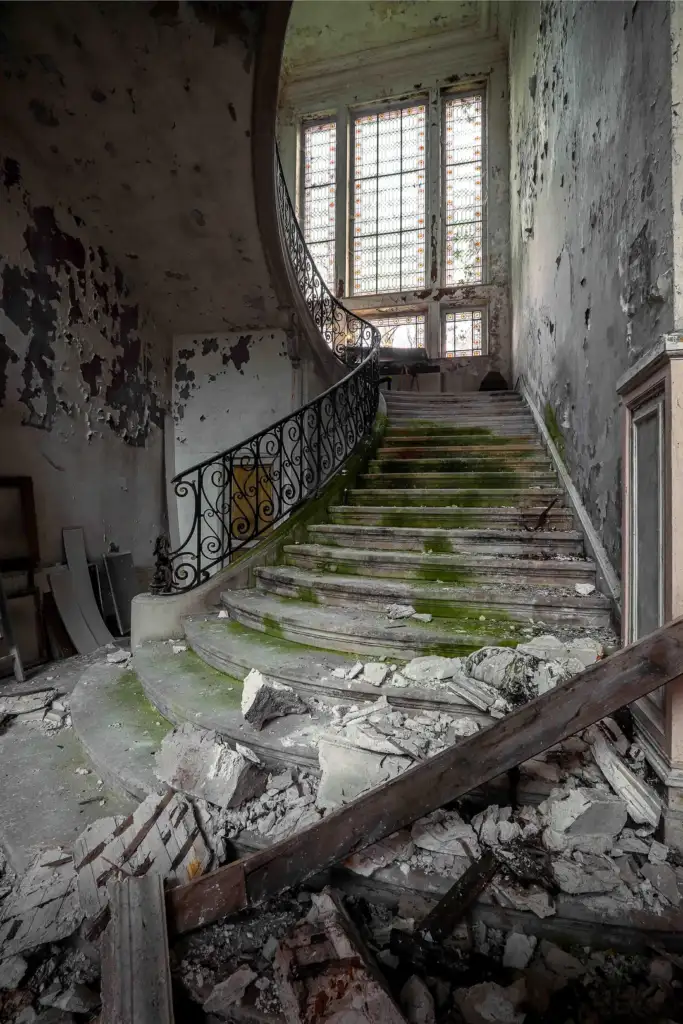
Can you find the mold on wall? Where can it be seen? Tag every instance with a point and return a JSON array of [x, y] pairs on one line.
[[82, 377], [591, 221]]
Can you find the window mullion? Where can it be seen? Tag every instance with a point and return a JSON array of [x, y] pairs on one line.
[[433, 232], [342, 223]]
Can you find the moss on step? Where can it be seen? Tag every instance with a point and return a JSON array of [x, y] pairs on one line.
[[439, 428], [504, 480], [473, 464], [443, 574], [438, 546], [308, 595], [129, 697], [468, 616], [273, 627], [554, 429], [414, 517], [460, 499]]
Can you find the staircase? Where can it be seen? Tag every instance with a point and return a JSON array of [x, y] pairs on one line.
[[459, 514]]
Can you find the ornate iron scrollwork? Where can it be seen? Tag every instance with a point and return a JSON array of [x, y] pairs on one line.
[[230, 500]]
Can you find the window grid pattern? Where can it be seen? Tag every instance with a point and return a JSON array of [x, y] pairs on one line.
[[389, 201], [319, 199], [462, 156], [463, 333], [401, 331]]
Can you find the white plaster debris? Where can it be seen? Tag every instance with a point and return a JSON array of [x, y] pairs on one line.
[[417, 1002], [43, 907], [400, 611], [355, 670], [584, 589], [286, 806], [228, 992], [247, 752], [422, 616], [643, 804], [223, 614], [198, 762], [519, 677], [519, 950], [265, 699], [584, 812], [12, 970], [488, 1003], [375, 672], [119, 656], [26, 704], [658, 852], [179, 648]]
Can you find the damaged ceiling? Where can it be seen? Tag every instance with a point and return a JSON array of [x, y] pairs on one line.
[[140, 116]]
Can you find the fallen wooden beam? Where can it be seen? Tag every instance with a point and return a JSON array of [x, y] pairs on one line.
[[599, 691], [136, 976]]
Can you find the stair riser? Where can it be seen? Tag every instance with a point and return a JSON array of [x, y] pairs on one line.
[[458, 442], [447, 433], [451, 498], [518, 612], [505, 479], [554, 574], [451, 518], [493, 463], [407, 401], [365, 646], [445, 419], [390, 540]]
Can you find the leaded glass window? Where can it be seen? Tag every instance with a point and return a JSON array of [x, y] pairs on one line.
[[463, 196], [463, 333], [401, 331], [319, 200]]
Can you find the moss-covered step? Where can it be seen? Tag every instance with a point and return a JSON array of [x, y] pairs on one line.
[[186, 689], [543, 544], [502, 425], [445, 601], [466, 567], [235, 649], [496, 478], [447, 517], [362, 629], [462, 441], [118, 728], [525, 464], [521, 497]]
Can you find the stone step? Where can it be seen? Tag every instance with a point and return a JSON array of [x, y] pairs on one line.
[[454, 430], [447, 517], [186, 689], [118, 728], [398, 400], [465, 568], [506, 479], [543, 544], [455, 396], [520, 497], [483, 462], [363, 630], [452, 441], [539, 603], [502, 423], [235, 649]]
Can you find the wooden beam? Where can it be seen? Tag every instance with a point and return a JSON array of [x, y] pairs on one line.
[[136, 976], [600, 690]]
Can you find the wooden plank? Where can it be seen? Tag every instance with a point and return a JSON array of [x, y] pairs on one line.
[[74, 549], [69, 610], [442, 919], [7, 634], [600, 690], [124, 586], [136, 980]]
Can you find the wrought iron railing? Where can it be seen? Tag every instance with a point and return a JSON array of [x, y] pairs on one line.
[[228, 501]]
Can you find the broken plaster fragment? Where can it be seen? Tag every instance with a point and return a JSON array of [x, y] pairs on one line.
[[264, 699], [584, 589], [198, 762], [375, 672], [229, 992], [488, 1003], [423, 616], [400, 611], [355, 670], [417, 1002], [519, 950]]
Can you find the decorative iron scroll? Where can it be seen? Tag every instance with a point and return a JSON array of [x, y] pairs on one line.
[[228, 501]]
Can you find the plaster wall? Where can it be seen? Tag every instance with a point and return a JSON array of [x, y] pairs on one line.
[[591, 222], [83, 376]]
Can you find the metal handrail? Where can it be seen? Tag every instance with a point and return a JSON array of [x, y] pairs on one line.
[[231, 499]]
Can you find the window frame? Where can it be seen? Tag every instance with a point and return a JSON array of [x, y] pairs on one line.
[[316, 122], [446, 95], [403, 314], [368, 110], [444, 311]]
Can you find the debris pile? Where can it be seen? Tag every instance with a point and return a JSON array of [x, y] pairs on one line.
[[46, 710], [264, 699]]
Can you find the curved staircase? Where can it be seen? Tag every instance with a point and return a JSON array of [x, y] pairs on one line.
[[459, 514]]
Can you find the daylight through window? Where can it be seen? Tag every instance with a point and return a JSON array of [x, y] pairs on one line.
[[463, 333], [319, 199], [401, 331], [462, 189], [389, 201]]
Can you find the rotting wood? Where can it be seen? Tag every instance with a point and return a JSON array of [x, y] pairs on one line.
[[324, 971], [136, 976], [600, 690]]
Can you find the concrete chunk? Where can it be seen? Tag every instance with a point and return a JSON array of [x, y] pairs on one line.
[[487, 1003], [400, 611], [229, 992], [519, 950], [643, 804], [43, 907], [663, 878], [584, 811], [197, 762], [375, 672], [431, 667], [12, 970], [417, 1002], [263, 699], [349, 771]]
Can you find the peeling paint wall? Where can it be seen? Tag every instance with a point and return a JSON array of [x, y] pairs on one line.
[[82, 377], [227, 387], [591, 221]]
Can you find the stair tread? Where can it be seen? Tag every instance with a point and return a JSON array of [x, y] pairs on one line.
[[417, 590], [185, 688], [334, 552], [454, 533], [309, 670]]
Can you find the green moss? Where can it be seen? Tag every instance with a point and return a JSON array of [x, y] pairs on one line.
[[436, 427], [554, 429], [446, 498], [308, 595], [407, 517], [129, 696], [438, 545], [487, 481], [272, 626], [442, 574], [454, 465]]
